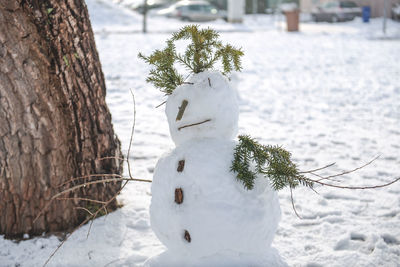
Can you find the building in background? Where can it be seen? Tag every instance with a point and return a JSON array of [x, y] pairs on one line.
[[236, 11], [377, 6]]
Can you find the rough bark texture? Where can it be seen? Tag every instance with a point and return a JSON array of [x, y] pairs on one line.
[[54, 122]]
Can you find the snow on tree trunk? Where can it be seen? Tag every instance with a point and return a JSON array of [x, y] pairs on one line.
[[54, 122]]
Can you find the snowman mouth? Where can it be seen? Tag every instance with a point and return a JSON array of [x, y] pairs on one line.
[[193, 124]]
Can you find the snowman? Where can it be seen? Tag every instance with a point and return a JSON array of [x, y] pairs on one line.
[[199, 210], [205, 210]]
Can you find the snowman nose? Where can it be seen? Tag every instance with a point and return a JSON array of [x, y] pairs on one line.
[[181, 110]]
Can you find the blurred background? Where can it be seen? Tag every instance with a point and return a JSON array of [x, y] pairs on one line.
[[234, 10]]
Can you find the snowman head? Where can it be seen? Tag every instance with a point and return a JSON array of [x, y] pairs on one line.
[[203, 107]]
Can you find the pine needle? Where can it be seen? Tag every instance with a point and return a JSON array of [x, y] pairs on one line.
[[273, 162], [200, 55]]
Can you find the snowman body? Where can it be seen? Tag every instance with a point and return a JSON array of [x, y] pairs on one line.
[[199, 210]]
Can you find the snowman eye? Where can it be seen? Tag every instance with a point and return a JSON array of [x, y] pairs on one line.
[[181, 110]]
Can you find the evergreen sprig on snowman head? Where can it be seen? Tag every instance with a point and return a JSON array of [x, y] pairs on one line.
[[201, 54], [204, 51]]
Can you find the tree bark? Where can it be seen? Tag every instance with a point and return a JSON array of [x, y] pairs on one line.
[[54, 122]]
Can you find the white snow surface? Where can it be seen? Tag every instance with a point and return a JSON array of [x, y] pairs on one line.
[[270, 257], [221, 216], [210, 98], [329, 93]]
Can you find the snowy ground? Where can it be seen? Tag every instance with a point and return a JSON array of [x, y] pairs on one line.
[[330, 93]]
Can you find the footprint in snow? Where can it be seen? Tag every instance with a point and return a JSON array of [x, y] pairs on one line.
[[390, 240], [356, 242]]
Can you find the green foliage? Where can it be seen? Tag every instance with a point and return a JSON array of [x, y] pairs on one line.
[[201, 54], [205, 50], [164, 76], [271, 161]]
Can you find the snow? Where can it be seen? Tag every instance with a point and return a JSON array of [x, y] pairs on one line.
[[209, 97], [224, 219], [269, 258], [329, 93]]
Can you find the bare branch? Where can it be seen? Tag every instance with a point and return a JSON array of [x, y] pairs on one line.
[[291, 198], [88, 176], [65, 240], [105, 205], [327, 178], [86, 184], [325, 167], [355, 187], [353, 170], [104, 158], [324, 178], [85, 209], [81, 198], [116, 177], [132, 132], [161, 104]]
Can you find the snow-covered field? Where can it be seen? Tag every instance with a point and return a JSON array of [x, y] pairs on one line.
[[330, 93]]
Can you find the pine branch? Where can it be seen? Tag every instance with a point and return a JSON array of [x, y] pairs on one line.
[[272, 161], [203, 52], [164, 75]]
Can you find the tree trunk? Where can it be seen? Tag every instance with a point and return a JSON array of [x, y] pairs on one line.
[[54, 122]]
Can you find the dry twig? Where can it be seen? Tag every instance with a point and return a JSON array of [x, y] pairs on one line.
[[193, 124], [161, 104], [321, 178], [104, 204]]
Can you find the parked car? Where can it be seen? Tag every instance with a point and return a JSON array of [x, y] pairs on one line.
[[396, 12], [335, 11], [138, 5], [192, 11]]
